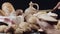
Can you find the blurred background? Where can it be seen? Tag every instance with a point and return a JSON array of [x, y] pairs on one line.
[[23, 4]]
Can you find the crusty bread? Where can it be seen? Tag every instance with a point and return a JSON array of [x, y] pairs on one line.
[[2, 28], [2, 13], [7, 8]]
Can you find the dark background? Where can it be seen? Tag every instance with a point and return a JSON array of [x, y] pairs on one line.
[[23, 4]]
